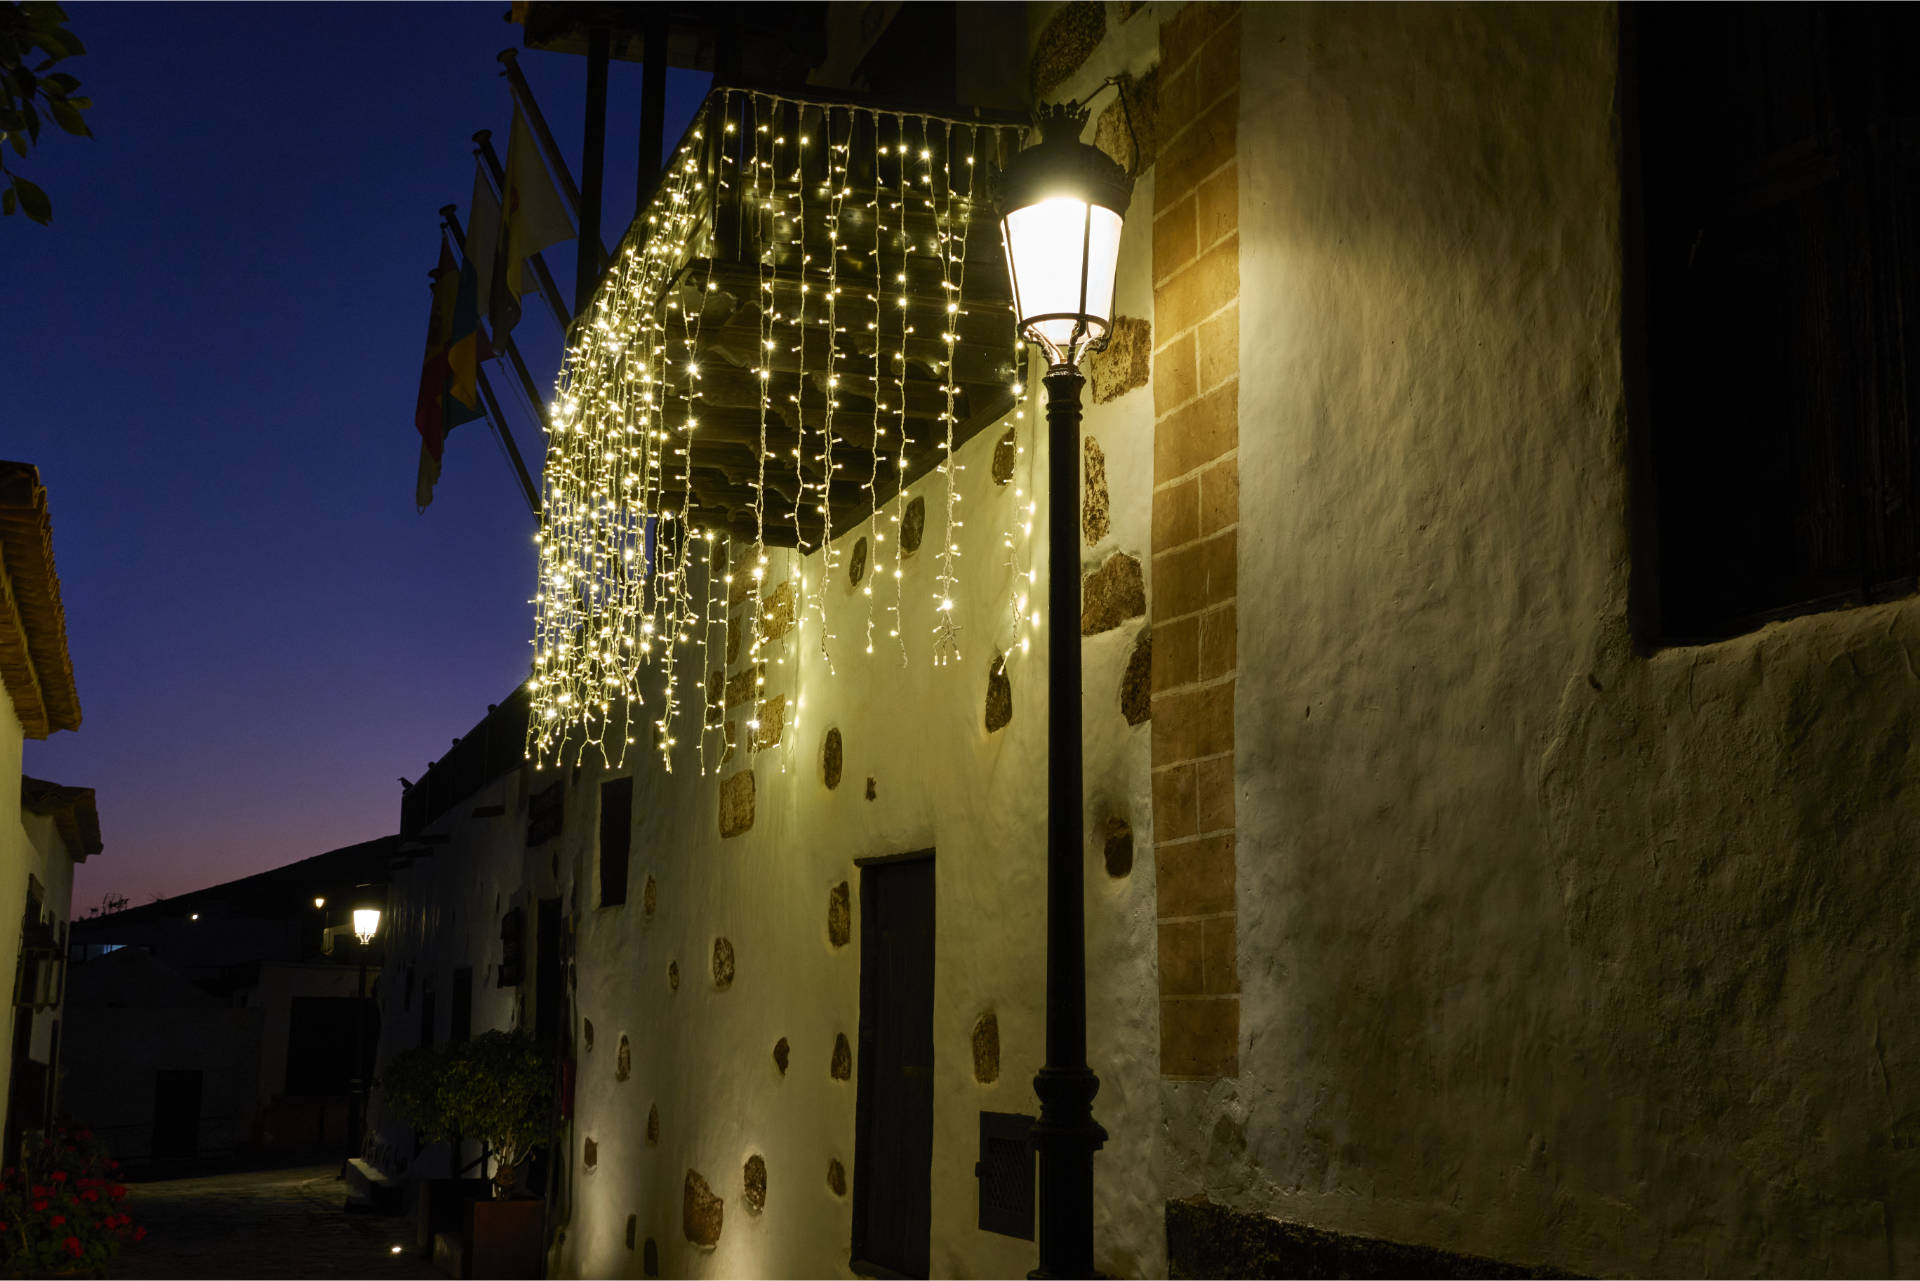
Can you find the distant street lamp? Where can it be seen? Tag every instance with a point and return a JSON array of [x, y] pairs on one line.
[[366, 924], [1063, 202]]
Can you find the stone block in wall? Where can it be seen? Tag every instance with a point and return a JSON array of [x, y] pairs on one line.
[[772, 717], [1065, 43], [754, 1184], [722, 964], [1139, 102], [1136, 682], [1126, 363], [1006, 457], [840, 915], [744, 685], [701, 1212], [986, 1048], [832, 758], [999, 710], [736, 803], [1095, 507], [1111, 595], [777, 612], [841, 1066]]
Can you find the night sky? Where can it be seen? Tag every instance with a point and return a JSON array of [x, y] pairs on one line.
[[212, 356]]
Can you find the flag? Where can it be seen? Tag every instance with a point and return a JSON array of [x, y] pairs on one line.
[[532, 216], [483, 230], [449, 373]]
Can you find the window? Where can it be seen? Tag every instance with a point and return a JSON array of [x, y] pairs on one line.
[[1773, 235], [616, 838]]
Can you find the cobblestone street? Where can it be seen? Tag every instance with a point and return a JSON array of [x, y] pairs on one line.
[[263, 1223]]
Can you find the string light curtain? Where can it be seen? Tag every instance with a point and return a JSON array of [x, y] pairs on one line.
[[812, 313]]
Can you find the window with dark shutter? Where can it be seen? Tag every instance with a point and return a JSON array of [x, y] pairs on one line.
[[616, 836], [1773, 319]]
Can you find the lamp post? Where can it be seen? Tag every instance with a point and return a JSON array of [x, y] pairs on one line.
[[366, 924], [1063, 202]]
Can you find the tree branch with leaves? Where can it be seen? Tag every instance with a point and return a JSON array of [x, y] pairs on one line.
[[33, 40]]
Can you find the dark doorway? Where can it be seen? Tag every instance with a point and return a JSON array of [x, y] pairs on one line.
[[893, 1136], [176, 1113]]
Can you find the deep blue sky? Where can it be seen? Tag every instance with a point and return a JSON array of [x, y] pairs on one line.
[[212, 357]]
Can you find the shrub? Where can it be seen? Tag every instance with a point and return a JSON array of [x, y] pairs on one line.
[[497, 1088], [63, 1209]]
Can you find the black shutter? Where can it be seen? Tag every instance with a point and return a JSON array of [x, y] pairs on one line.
[[616, 837], [1779, 441]]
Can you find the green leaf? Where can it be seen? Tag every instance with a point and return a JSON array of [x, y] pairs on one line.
[[62, 84], [19, 141], [8, 202], [33, 201], [69, 119]]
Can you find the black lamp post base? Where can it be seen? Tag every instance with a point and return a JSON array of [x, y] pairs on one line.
[[1066, 1136]]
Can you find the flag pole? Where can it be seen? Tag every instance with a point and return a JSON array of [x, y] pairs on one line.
[[513, 452], [523, 95], [483, 147], [450, 220]]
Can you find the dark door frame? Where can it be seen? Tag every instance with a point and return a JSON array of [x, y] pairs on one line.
[[860, 1258]]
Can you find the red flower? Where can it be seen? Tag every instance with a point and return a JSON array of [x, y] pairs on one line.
[[89, 1195], [58, 1220], [113, 1165], [4, 1225], [74, 1247], [38, 1190], [39, 1205], [85, 1134], [117, 1191], [59, 1176], [139, 1234]]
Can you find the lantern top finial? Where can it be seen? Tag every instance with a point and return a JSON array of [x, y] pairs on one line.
[[1060, 164]]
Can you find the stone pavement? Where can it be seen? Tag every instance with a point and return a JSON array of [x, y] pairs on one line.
[[263, 1223]]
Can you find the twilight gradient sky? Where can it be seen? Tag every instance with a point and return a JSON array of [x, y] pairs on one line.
[[212, 357]]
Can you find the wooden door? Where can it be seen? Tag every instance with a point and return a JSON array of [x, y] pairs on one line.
[[176, 1113], [893, 1139]]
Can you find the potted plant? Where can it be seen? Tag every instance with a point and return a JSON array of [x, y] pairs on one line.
[[410, 1086], [497, 1088], [62, 1209]]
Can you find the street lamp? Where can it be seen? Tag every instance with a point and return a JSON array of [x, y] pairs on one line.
[[1063, 202], [366, 924]]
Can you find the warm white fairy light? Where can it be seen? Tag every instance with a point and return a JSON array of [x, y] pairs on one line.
[[631, 566], [950, 229], [1017, 536], [904, 441]]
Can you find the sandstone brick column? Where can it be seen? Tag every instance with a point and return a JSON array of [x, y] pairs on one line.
[[1196, 514]]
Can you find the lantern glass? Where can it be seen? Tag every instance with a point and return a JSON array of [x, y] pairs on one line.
[[366, 923], [1061, 255]]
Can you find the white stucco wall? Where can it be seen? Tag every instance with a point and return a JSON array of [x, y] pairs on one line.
[[444, 912], [704, 1056], [1550, 951], [16, 862]]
